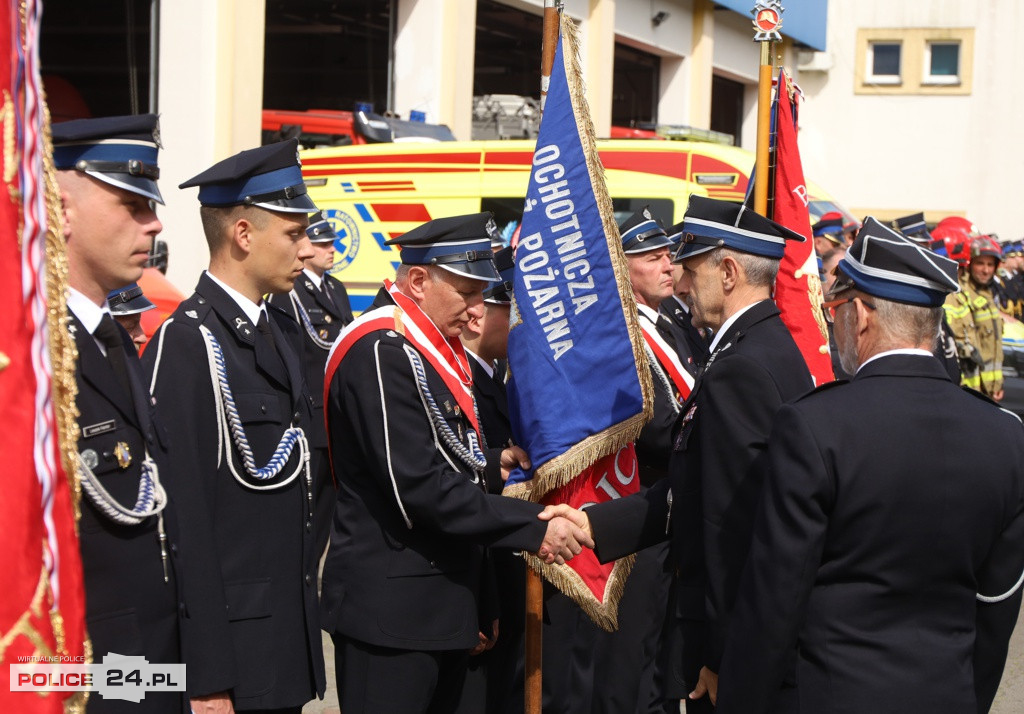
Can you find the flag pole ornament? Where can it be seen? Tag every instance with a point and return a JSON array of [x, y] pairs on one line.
[[580, 387], [42, 613], [767, 21]]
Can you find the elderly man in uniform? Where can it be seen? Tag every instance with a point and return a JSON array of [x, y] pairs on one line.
[[320, 306], [730, 257], [229, 388], [107, 171], [889, 563], [403, 569], [127, 306]]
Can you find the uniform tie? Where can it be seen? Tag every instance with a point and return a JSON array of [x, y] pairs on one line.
[[109, 336], [263, 326], [326, 292]]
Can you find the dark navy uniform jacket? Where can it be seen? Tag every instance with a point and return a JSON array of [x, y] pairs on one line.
[[492, 403], [261, 541], [714, 482], [130, 610], [327, 318], [403, 568], [890, 502]]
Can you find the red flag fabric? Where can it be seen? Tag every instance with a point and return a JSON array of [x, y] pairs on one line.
[[42, 608], [798, 289]]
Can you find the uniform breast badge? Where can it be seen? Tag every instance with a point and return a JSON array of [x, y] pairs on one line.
[[123, 455]]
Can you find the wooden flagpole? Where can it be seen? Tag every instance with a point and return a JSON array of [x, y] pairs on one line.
[[767, 21], [534, 584]]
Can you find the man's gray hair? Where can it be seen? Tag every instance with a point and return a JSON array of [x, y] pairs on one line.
[[760, 271], [901, 323]]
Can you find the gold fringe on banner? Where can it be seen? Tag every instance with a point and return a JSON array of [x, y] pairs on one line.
[[565, 467], [604, 614]]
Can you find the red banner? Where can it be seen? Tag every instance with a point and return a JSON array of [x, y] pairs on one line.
[[798, 289], [613, 476], [42, 608]]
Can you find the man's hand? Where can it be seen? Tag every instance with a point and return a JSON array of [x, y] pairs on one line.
[[486, 642], [512, 457], [707, 683], [563, 541], [212, 704], [998, 396], [564, 510]]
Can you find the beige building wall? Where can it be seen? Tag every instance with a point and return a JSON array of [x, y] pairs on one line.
[[210, 101], [908, 151], [434, 57]]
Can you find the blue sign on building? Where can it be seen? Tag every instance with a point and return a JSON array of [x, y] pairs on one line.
[[803, 20]]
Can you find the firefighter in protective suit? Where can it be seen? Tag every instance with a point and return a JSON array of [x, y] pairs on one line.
[[976, 322]]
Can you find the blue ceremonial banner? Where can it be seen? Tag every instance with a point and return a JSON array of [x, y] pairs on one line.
[[579, 387]]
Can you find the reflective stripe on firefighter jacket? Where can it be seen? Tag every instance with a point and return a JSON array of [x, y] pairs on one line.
[[977, 328]]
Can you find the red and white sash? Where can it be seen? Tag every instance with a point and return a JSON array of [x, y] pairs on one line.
[[446, 355], [667, 358]]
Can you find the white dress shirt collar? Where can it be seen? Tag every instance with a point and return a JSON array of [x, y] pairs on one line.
[[728, 323], [251, 309], [317, 280], [489, 368], [902, 351], [87, 312]]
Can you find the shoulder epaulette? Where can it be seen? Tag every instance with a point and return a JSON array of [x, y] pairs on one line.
[[193, 310], [822, 388]]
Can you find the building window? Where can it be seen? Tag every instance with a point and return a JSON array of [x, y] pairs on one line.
[[914, 60], [884, 62], [942, 63]]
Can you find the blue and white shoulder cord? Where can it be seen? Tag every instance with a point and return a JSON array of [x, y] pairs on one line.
[[470, 453], [300, 310]]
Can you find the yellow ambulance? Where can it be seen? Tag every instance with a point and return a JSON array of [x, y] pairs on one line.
[[375, 192]]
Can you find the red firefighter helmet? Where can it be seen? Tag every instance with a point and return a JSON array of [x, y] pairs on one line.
[[959, 223], [956, 241], [986, 246]]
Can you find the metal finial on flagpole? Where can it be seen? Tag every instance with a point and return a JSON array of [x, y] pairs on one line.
[[767, 22]]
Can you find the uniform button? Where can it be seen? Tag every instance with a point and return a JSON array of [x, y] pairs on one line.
[[263, 408], [433, 564], [309, 525], [174, 548], [296, 416], [309, 580]]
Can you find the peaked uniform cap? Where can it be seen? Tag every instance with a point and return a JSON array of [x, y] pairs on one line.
[[915, 228], [883, 263], [128, 300], [830, 228], [320, 229], [499, 292], [675, 234], [120, 151], [459, 244], [269, 177], [712, 223], [642, 233]]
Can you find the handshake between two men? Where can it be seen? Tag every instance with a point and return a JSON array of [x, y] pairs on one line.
[[568, 530]]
